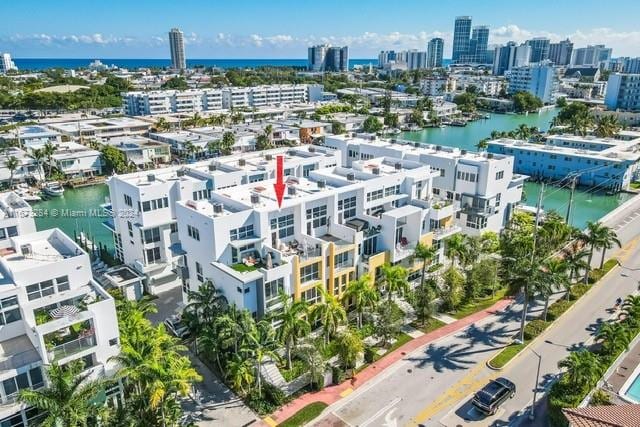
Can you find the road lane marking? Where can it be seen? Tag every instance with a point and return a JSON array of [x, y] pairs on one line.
[[384, 409], [347, 392], [270, 421]]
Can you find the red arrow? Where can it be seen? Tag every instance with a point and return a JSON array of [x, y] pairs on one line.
[[279, 186]]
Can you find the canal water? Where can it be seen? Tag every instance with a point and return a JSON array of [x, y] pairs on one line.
[[587, 205]]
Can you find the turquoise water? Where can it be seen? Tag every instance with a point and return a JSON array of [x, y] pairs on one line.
[[468, 136], [634, 391], [76, 211]]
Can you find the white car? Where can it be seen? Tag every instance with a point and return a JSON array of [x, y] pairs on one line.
[[175, 326]]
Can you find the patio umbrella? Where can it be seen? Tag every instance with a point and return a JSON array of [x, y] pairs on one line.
[[269, 261], [64, 311]]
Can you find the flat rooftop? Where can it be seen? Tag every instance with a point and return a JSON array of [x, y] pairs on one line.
[[99, 124], [621, 152], [39, 249]]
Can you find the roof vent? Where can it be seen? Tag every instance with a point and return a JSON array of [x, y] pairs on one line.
[[268, 156], [291, 190], [151, 177], [397, 166], [463, 152], [179, 172], [26, 249], [242, 162], [322, 183], [255, 199], [392, 140], [489, 155], [312, 149], [416, 144], [376, 171], [438, 147], [218, 208], [351, 177], [213, 167]]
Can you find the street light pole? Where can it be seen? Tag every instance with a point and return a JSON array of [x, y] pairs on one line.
[[532, 414]]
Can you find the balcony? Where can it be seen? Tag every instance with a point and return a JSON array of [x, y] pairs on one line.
[[403, 250], [72, 347], [70, 340], [16, 353], [444, 232]]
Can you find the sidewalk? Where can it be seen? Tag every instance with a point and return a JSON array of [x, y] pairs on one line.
[[334, 393]]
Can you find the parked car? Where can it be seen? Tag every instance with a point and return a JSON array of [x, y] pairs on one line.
[[176, 327], [494, 394]]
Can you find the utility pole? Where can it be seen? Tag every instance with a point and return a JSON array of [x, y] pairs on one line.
[[532, 414], [535, 228], [573, 190]]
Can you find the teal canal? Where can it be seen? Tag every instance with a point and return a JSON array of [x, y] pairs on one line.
[[82, 205]]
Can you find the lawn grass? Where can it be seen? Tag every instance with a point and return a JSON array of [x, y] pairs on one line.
[[304, 415], [507, 354], [430, 326], [635, 185], [401, 339], [242, 268], [477, 305]]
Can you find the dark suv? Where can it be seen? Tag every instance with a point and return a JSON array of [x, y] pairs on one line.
[[494, 394]]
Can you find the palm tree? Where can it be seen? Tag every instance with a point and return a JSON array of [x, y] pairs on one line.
[[227, 143], [427, 255], [309, 352], [262, 142], [38, 156], [349, 346], [261, 343], [362, 295], [554, 277], [631, 310], [614, 337], [293, 323], [608, 238], [67, 398], [12, 164], [607, 127], [598, 236], [208, 301], [48, 150], [240, 373], [575, 259], [161, 125], [523, 132], [524, 277], [394, 279], [483, 144], [582, 368], [454, 247], [328, 312]]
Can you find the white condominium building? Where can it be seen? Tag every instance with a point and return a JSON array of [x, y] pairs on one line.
[[51, 310], [334, 225], [143, 205], [197, 100], [481, 185]]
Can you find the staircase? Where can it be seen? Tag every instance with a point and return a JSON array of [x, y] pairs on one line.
[[271, 374]]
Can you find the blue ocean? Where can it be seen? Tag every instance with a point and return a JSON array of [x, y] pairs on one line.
[[73, 63]]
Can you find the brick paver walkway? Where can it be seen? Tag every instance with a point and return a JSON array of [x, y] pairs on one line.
[[334, 393]]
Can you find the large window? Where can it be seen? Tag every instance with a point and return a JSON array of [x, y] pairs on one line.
[[342, 260], [238, 253], [39, 290], [242, 232], [151, 205], [375, 195], [152, 235], [9, 310], [201, 194], [309, 273], [193, 232], [271, 291], [390, 191], [284, 225], [306, 169], [347, 207], [467, 176], [153, 255], [310, 295], [127, 200], [30, 379], [199, 274], [317, 216]]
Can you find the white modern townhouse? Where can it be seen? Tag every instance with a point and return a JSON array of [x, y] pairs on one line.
[[335, 224], [77, 160], [143, 205], [101, 128], [482, 186], [140, 151], [51, 310], [31, 137], [27, 167]]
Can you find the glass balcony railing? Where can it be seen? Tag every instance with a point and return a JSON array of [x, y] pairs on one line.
[[73, 347]]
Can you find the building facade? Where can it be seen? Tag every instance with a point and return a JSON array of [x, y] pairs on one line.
[[328, 58], [176, 46], [560, 53], [591, 56], [623, 92], [6, 63], [435, 51], [539, 49], [537, 79], [461, 38]]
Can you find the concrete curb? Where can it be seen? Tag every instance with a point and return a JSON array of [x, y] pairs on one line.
[[553, 323]]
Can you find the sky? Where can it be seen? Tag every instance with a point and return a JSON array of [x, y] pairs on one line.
[[285, 28]]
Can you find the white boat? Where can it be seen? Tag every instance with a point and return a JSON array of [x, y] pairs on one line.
[[53, 189], [26, 193]]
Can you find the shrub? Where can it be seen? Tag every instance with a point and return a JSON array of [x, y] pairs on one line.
[[600, 398], [562, 395], [274, 394], [557, 308], [534, 328], [337, 375], [578, 290], [369, 354]]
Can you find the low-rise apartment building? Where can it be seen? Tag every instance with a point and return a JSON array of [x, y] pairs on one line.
[[31, 137], [101, 128], [140, 151], [77, 160]]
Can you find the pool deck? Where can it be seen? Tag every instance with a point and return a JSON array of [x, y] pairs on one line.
[[626, 369]]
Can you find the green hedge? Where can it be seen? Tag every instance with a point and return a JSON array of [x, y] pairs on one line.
[[534, 328], [304, 415], [557, 308], [578, 290]]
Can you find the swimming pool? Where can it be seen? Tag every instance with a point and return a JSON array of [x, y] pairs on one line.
[[630, 390]]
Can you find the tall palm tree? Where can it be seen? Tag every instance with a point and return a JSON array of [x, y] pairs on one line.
[[328, 312], [582, 368], [208, 301], [394, 280], [349, 345], [483, 144], [67, 398], [310, 354], [261, 343], [161, 125], [598, 236], [12, 164], [607, 126], [293, 323], [523, 132], [608, 238], [38, 156], [631, 310], [240, 373], [554, 277], [427, 255], [524, 277], [362, 295], [454, 247], [614, 337], [575, 259], [48, 150]]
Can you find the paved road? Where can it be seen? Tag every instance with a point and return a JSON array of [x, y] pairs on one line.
[[212, 403], [432, 386]]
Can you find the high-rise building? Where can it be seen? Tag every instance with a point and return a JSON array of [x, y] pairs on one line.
[[478, 44], [461, 37], [623, 92], [509, 56], [631, 65], [538, 79], [560, 53], [435, 49], [591, 56], [539, 49], [176, 45], [6, 63], [416, 59], [385, 57], [328, 58]]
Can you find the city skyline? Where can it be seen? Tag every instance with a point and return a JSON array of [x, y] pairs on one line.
[[39, 29]]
